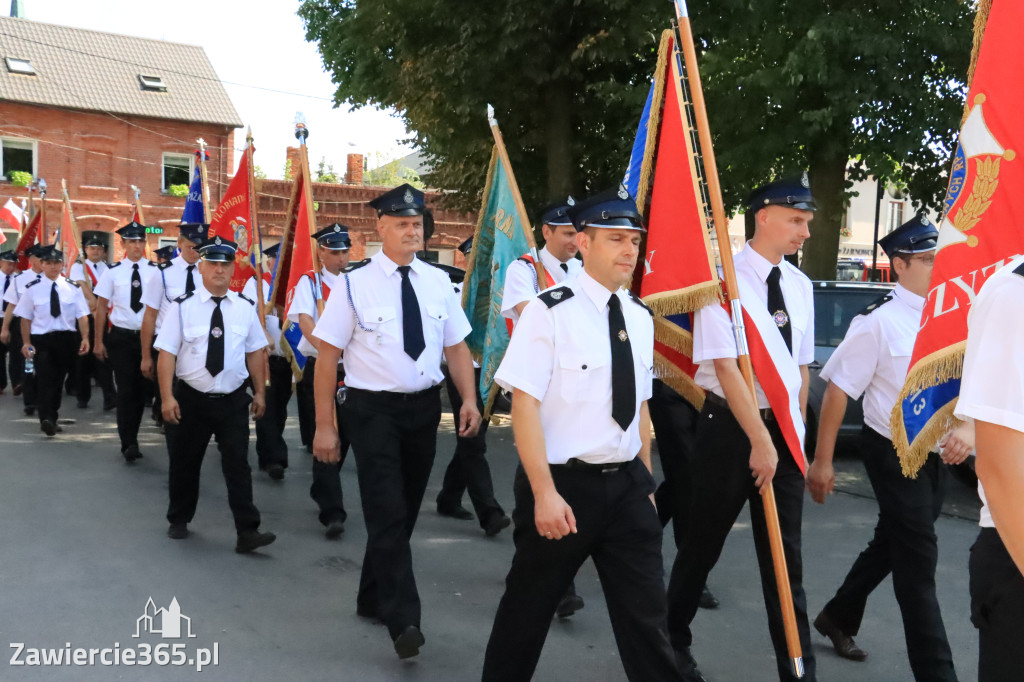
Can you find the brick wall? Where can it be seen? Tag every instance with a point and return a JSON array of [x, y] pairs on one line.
[[101, 156]]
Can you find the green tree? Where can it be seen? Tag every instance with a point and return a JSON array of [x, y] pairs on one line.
[[819, 84], [391, 173], [325, 172]]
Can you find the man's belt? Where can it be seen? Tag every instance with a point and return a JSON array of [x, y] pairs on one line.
[[717, 401], [394, 395], [606, 468], [186, 388], [124, 330]]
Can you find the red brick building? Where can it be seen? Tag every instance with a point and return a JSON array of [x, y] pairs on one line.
[[107, 111]]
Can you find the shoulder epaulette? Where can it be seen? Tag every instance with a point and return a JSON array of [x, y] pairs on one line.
[[163, 266], [184, 296], [875, 305], [33, 283], [152, 264], [1019, 270], [355, 266], [74, 283], [246, 298], [636, 299], [115, 265], [553, 297]]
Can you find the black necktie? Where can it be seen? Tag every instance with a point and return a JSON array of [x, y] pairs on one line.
[[623, 377], [412, 323], [54, 301], [777, 307], [7, 283], [565, 267], [215, 343], [190, 284], [136, 298]]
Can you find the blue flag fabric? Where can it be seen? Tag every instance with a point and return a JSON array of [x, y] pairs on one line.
[[194, 211], [636, 158], [292, 334], [500, 238]]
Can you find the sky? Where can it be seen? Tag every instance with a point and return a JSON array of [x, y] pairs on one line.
[[250, 43]]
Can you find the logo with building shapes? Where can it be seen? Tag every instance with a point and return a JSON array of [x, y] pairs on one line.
[[169, 623]]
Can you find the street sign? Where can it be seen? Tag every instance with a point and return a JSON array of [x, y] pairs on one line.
[[154, 230]]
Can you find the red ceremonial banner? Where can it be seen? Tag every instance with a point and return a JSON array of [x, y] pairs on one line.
[[301, 260], [982, 228], [68, 238], [28, 238], [232, 220]]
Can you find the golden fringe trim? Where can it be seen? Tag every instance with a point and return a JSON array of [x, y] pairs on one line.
[[686, 300], [980, 21], [643, 187], [489, 407], [678, 381], [479, 225], [673, 336], [930, 371]]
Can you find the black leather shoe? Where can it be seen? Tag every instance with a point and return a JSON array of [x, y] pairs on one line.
[[275, 471], [253, 539], [496, 524], [131, 453], [459, 512], [408, 643], [48, 427], [334, 529], [708, 600], [688, 666], [29, 411], [844, 644], [107, 407], [82, 405], [570, 604], [177, 531]]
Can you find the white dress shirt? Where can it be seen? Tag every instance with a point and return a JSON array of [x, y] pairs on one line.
[[562, 356], [371, 335], [116, 286], [874, 356], [35, 305], [166, 284], [273, 321], [992, 387], [18, 283], [186, 334], [521, 280], [79, 272], [712, 327], [304, 302]]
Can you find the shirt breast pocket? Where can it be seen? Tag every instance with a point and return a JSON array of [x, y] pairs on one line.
[[383, 321], [194, 336], [584, 378], [437, 314], [901, 347]]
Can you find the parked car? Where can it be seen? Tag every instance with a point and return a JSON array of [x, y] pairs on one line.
[[835, 306]]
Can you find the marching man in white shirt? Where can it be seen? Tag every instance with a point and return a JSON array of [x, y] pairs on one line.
[[54, 329], [580, 366], [87, 275], [872, 361], [212, 341]]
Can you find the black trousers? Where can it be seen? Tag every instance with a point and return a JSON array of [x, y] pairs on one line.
[[307, 406], [15, 360], [468, 469], [29, 380], [157, 411], [905, 545], [997, 609], [87, 367], [55, 359], [619, 529], [326, 487], [394, 440], [7, 356], [675, 429], [124, 349], [722, 484], [270, 445], [226, 420]]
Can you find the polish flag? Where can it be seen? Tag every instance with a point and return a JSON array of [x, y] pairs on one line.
[[11, 214]]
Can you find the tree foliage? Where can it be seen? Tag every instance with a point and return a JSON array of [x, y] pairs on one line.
[[818, 84], [391, 173]]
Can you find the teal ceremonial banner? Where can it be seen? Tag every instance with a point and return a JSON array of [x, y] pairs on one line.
[[500, 238]]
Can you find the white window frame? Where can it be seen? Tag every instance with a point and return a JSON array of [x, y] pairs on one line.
[[177, 156], [19, 141], [14, 65]]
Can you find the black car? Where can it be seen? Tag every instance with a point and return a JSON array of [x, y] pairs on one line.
[[835, 306]]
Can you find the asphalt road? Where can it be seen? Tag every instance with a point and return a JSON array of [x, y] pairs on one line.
[[84, 549]]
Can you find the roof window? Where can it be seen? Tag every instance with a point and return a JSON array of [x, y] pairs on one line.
[[22, 66], [154, 83]]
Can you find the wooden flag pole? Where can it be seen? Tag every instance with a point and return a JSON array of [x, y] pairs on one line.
[[43, 237], [301, 133], [71, 214], [499, 143], [142, 220], [255, 226], [207, 214], [732, 291]]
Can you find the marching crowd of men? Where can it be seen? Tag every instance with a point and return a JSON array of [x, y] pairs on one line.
[[383, 335]]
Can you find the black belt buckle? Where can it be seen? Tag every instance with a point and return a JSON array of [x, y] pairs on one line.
[[606, 468]]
